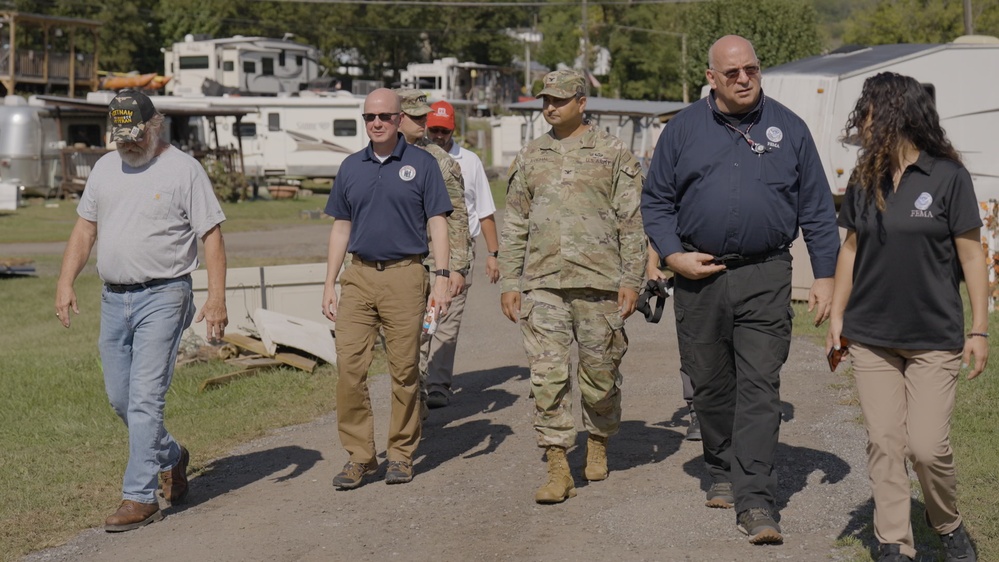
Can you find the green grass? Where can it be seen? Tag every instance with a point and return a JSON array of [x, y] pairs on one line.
[[972, 429], [40, 223]]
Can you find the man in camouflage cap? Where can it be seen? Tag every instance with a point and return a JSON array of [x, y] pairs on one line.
[[573, 245], [413, 126]]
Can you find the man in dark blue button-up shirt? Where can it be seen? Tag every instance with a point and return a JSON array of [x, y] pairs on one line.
[[732, 179]]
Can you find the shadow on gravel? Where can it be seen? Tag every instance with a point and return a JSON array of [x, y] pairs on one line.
[[231, 473], [636, 444], [794, 466], [861, 527], [474, 394]]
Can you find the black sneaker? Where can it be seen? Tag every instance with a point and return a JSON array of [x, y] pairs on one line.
[[720, 496], [957, 546], [760, 526], [694, 429], [891, 553], [399, 472], [437, 399]]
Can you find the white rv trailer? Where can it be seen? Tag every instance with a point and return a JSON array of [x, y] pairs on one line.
[[307, 135], [250, 65], [823, 90]]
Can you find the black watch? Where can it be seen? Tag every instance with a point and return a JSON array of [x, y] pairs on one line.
[[494, 254], [463, 272], [442, 272]]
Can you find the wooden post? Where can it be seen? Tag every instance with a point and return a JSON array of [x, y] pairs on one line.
[[72, 61], [45, 55]]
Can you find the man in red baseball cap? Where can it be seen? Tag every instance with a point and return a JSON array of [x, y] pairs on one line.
[[437, 357]]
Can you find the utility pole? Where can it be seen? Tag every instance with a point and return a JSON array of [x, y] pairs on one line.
[[969, 22]]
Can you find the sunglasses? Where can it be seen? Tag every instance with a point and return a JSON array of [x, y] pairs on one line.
[[383, 117], [751, 71], [439, 130]]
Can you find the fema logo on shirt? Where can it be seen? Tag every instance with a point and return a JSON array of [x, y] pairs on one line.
[[774, 135], [923, 203], [407, 173]]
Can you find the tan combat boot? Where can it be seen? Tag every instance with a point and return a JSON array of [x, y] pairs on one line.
[[560, 485], [596, 458]]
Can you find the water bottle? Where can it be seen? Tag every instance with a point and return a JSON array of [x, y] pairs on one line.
[[430, 319]]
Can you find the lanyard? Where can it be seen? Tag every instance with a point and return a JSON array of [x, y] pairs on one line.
[[758, 148]]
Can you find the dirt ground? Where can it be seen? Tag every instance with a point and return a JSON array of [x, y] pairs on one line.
[[478, 467]]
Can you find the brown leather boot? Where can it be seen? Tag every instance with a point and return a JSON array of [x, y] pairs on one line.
[[174, 481], [132, 515], [560, 485], [596, 458]]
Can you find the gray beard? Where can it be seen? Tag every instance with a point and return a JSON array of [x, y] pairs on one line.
[[139, 159]]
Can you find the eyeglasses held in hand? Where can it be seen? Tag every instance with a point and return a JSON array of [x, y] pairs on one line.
[[383, 117], [751, 71]]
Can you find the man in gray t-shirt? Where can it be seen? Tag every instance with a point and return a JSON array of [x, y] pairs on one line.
[[145, 205]]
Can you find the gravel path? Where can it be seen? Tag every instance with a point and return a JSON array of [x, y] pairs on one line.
[[478, 467]]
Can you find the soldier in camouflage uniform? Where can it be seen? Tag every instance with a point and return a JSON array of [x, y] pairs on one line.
[[573, 244], [414, 126]]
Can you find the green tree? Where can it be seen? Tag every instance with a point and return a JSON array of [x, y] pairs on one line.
[[918, 21], [780, 30], [646, 52]]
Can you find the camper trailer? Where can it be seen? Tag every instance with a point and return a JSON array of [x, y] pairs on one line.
[[477, 84], [823, 90], [248, 65], [307, 135], [32, 139]]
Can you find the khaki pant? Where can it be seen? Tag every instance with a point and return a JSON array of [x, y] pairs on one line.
[[438, 349], [907, 398], [550, 320], [394, 299]]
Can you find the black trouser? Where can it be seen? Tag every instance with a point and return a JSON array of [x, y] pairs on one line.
[[734, 332]]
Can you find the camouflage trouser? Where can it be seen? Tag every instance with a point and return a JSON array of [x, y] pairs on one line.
[[550, 320]]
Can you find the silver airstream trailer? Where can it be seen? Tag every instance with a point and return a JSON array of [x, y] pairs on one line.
[[32, 138]]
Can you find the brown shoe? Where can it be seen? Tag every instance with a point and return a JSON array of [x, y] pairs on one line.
[[132, 515], [174, 481], [399, 472], [353, 475]]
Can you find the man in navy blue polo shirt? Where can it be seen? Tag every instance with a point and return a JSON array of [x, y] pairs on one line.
[[732, 179], [384, 200]]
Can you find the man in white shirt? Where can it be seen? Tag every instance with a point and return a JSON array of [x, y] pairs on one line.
[[437, 358]]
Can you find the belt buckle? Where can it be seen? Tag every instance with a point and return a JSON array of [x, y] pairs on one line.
[[380, 266]]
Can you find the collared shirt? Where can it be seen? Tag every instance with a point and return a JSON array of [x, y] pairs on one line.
[[906, 274], [478, 196], [388, 203], [709, 189], [572, 217]]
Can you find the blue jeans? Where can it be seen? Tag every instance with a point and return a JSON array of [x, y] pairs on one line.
[[140, 334]]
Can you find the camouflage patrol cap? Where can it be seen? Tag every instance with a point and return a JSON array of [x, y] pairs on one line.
[[128, 113], [414, 102], [562, 84]]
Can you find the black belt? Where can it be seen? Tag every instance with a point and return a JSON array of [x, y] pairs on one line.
[[129, 288], [385, 264], [732, 261]]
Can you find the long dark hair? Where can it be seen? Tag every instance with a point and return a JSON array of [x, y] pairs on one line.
[[900, 109]]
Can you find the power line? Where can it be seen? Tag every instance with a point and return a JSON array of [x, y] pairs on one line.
[[487, 3]]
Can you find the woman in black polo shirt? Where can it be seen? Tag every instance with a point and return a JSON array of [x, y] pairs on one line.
[[912, 224]]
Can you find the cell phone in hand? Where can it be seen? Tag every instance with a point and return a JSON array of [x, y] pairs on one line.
[[836, 355]]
